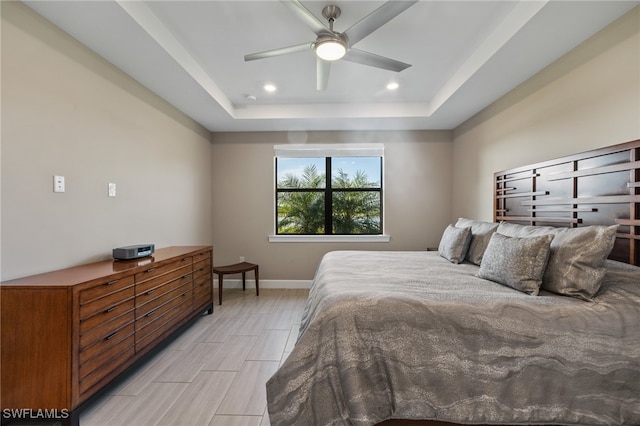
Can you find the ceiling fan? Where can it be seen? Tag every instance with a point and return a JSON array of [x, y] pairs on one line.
[[331, 45]]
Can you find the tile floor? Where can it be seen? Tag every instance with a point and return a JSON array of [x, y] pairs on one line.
[[213, 373]]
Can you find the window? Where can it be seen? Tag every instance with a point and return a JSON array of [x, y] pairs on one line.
[[328, 190]]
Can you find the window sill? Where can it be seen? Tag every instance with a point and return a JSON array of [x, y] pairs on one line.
[[329, 238]]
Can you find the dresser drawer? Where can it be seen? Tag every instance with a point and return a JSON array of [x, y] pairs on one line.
[[160, 289], [155, 271], [202, 283], [106, 302], [103, 359], [202, 268], [149, 312], [106, 342], [110, 365], [104, 288], [106, 315], [181, 308], [202, 256], [202, 296], [91, 335], [150, 285]]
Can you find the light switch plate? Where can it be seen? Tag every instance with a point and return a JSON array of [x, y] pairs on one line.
[[112, 189]]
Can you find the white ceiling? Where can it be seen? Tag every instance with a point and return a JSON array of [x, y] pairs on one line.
[[464, 55]]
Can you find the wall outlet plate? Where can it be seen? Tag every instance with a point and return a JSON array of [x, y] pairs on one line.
[[58, 184]]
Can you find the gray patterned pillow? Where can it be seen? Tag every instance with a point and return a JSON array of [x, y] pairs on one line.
[[518, 263], [577, 261], [481, 233], [454, 243], [524, 231]]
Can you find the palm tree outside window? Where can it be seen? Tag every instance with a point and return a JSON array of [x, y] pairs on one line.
[[329, 195]]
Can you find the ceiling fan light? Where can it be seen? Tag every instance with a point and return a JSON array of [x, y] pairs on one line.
[[330, 50]]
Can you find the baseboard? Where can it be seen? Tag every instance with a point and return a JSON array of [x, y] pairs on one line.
[[237, 283]]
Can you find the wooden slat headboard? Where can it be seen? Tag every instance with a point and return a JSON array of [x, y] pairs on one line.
[[599, 187]]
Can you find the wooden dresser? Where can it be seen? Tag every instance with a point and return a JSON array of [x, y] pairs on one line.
[[66, 334]]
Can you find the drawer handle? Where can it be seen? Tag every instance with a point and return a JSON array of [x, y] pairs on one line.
[[111, 282], [111, 309], [185, 293], [185, 275], [149, 292], [111, 336], [150, 270], [150, 313]]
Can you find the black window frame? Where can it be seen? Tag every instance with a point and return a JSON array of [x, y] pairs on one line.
[[328, 191]]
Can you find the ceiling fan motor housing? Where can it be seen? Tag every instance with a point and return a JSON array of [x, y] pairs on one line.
[[331, 13]]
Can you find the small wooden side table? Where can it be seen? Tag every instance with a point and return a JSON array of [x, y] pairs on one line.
[[236, 268]]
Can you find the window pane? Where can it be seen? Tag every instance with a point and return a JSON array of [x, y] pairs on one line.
[[354, 197], [356, 212], [356, 172], [301, 172], [300, 213]]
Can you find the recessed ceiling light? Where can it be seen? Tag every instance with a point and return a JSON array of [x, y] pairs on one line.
[[270, 87], [392, 86], [251, 98]]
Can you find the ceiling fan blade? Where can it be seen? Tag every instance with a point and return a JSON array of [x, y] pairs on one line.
[[316, 25], [376, 19], [278, 52], [373, 60], [323, 69]]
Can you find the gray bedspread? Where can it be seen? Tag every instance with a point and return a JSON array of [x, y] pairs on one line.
[[409, 335]]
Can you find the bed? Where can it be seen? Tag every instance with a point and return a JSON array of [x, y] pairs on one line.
[[508, 322]]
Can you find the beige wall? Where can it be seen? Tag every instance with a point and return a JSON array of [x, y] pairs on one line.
[[588, 99], [417, 203], [65, 111]]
